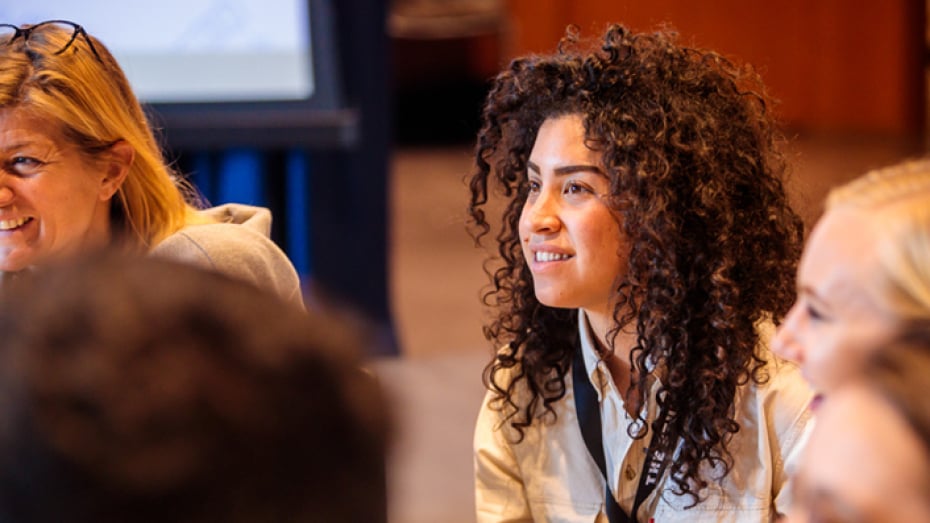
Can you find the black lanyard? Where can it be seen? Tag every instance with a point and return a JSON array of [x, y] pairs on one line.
[[589, 419]]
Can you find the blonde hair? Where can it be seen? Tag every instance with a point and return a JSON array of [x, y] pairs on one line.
[[85, 91], [899, 198]]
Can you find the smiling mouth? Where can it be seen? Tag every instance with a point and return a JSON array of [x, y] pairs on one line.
[[550, 256], [9, 225]]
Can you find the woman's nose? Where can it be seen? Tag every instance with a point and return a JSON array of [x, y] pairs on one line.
[[6, 194], [785, 343], [541, 215]]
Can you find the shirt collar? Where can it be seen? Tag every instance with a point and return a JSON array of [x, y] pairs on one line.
[[589, 352], [596, 373]]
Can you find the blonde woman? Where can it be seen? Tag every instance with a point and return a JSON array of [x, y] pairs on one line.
[[864, 275], [81, 169]]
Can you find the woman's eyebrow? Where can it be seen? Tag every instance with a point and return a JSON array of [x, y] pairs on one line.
[[18, 145], [563, 170]]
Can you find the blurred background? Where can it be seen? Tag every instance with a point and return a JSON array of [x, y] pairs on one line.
[[366, 177]]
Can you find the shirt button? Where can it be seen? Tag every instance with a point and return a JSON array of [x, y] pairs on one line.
[[630, 473]]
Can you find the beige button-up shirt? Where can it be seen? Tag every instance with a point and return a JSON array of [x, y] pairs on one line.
[[551, 477]]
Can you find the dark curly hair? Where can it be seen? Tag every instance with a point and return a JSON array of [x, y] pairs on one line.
[[696, 174]]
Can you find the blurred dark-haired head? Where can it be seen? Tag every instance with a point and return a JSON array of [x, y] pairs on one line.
[[144, 390]]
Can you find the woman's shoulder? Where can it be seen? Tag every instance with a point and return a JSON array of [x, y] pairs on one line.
[[218, 243], [503, 375], [778, 397], [779, 376], [237, 247]]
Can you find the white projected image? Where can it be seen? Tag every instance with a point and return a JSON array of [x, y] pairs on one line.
[[195, 50]]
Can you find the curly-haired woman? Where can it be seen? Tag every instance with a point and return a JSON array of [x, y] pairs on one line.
[[647, 247]]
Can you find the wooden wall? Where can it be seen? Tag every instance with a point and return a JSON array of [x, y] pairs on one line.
[[835, 65]]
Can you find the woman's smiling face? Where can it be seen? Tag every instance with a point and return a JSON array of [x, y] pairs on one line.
[[52, 202], [837, 320], [571, 238]]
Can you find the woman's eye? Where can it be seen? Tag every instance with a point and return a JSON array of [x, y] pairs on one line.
[[24, 164], [533, 186], [814, 313], [575, 188]]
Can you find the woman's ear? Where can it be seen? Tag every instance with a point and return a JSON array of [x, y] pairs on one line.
[[117, 162]]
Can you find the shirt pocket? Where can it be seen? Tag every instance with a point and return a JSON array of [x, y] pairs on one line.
[[566, 511], [717, 507]]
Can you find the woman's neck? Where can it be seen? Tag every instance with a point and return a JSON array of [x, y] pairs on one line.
[[622, 343], [616, 355]]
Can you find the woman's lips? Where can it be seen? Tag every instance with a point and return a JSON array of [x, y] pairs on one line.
[[816, 401]]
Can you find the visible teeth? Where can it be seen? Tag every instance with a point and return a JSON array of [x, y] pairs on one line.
[[6, 225], [550, 256]]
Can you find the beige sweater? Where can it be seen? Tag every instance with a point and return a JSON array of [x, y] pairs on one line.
[[238, 244]]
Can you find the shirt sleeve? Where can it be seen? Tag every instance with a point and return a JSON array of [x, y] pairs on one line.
[[500, 496]]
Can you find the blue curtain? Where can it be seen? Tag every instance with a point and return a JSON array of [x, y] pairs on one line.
[[277, 180]]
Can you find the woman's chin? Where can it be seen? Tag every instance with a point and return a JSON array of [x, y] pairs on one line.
[[13, 261]]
